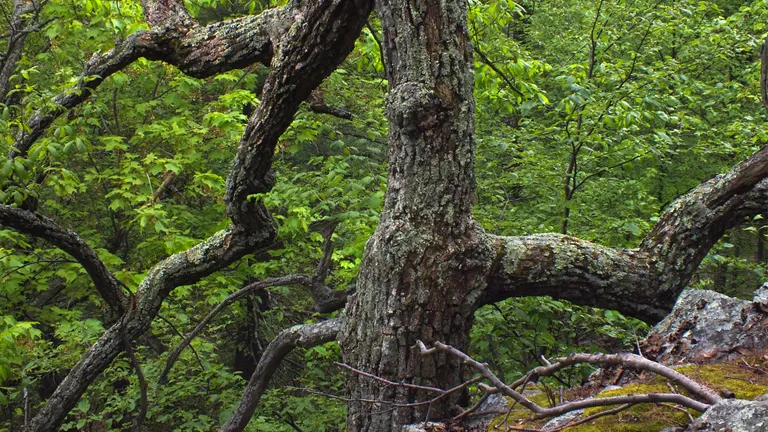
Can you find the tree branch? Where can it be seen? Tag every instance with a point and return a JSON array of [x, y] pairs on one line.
[[42, 227], [279, 281], [498, 71], [644, 282], [541, 412], [312, 49], [304, 336], [199, 51]]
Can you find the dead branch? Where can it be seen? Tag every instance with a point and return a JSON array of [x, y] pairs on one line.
[[541, 412], [632, 361]]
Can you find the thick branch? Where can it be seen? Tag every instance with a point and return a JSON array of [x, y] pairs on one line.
[[36, 225], [643, 282], [318, 43], [305, 336], [166, 13], [19, 22], [199, 51], [309, 51], [576, 270], [219, 251]]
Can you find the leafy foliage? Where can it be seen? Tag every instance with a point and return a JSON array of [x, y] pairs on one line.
[[591, 117]]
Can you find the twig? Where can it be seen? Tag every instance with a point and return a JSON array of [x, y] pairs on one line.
[[690, 417], [174, 355], [629, 360]]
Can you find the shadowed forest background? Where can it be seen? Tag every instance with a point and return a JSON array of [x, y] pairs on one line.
[[591, 118]]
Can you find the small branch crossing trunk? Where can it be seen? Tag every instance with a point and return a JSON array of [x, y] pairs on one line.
[[424, 270]]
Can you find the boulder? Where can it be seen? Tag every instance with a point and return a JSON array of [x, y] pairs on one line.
[[733, 415], [706, 326]]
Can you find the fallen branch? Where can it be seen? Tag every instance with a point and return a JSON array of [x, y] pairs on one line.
[[541, 412]]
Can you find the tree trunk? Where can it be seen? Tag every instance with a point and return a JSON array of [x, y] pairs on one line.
[[424, 269]]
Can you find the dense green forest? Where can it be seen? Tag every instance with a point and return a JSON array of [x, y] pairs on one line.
[[591, 117]]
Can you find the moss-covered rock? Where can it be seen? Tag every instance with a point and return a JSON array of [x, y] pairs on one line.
[[744, 378]]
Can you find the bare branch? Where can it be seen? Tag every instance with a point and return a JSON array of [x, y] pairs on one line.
[[541, 412], [280, 281], [628, 361], [304, 336]]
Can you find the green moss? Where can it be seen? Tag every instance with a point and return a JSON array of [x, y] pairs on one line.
[[744, 382], [736, 377]]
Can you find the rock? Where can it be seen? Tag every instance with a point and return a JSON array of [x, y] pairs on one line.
[[761, 298], [562, 420], [706, 326], [495, 403], [733, 415], [425, 427]]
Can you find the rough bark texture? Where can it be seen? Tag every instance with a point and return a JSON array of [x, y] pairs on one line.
[[643, 282], [428, 266], [199, 51], [18, 23], [424, 268]]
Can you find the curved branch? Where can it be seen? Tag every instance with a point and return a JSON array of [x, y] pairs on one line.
[[576, 270], [40, 226], [198, 51], [630, 361], [319, 42], [542, 412], [304, 336], [174, 355], [643, 282], [219, 251], [324, 299], [310, 51]]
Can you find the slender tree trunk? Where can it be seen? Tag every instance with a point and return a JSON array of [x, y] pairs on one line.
[[424, 269]]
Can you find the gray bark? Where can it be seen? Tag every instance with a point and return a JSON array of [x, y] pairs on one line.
[[18, 23], [644, 282], [424, 269]]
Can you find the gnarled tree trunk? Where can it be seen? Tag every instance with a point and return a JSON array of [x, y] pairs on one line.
[[424, 269]]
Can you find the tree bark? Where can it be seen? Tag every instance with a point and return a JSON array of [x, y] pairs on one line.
[[424, 269]]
